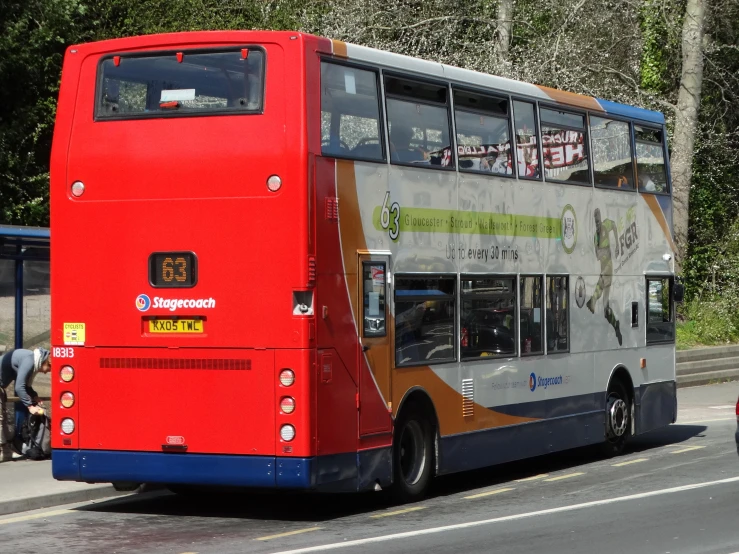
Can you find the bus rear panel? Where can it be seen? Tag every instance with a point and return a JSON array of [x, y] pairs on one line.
[[183, 277]]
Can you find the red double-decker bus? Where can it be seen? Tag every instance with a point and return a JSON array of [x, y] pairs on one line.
[[282, 261]]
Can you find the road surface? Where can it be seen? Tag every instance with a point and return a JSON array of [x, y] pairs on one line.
[[674, 491]]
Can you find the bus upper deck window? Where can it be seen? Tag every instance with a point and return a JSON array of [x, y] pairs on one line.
[[483, 137], [418, 123], [612, 160], [167, 84], [564, 147], [527, 143], [350, 113], [650, 160]]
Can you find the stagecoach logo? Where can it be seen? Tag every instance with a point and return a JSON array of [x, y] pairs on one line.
[[546, 382], [143, 302], [580, 292], [569, 229]]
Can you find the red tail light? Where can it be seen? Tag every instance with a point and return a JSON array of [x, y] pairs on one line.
[[737, 410]]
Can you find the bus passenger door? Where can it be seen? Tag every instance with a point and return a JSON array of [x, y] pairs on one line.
[[374, 355]]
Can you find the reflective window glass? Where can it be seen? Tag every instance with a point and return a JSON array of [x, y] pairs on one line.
[[527, 153], [350, 113], [488, 320], [558, 322], [483, 143], [660, 317], [373, 280], [650, 160], [611, 146], [178, 83], [531, 316], [563, 147], [424, 320]]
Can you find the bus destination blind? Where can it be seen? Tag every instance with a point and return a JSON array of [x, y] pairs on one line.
[[172, 269]]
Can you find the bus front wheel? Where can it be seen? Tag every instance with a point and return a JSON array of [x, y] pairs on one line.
[[413, 455], [618, 419]]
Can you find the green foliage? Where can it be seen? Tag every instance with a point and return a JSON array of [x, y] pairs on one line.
[[659, 67], [33, 36], [711, 320], [714, 199], [711, 316], [686, 337], [118, 18]]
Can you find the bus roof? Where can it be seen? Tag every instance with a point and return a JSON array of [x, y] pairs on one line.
[[503, 84], [390, 60]]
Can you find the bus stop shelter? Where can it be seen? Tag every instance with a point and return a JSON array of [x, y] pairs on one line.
[[25, 300]]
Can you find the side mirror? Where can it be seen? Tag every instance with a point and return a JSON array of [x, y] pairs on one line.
[[678, 292]]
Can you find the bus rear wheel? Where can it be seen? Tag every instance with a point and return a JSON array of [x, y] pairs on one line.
[[413, 456], [618, 419]]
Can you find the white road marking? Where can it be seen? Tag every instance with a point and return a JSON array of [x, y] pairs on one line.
[[724, 407], [458, 526]]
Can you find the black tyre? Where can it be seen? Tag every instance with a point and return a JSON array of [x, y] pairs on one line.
[[618, 420], [413, 455]]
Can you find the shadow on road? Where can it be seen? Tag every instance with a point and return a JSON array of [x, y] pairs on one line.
[[666, 436], [560, 461], [245, 504], [312, 507]]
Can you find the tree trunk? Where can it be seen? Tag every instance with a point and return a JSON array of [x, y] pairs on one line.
[[686, 122], [503, 31]]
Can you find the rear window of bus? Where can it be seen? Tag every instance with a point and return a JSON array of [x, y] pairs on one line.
[[179, 83]]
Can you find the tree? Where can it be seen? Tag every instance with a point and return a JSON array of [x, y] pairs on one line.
[[503, 30], [686, 123], [33, 36]]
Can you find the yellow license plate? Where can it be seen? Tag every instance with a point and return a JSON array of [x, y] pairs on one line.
[[175, 325]]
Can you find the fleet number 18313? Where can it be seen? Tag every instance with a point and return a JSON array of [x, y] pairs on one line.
[[62, 352]]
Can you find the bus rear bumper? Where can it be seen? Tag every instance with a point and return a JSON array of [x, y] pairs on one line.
[[345, 472], [101, 466]]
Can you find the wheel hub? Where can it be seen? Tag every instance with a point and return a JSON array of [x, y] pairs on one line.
[[617, 417]]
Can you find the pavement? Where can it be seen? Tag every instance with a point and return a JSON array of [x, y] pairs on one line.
[[673, 491], [28, 485]]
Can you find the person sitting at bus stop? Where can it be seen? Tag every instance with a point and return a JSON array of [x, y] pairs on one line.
[[20, 366]]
